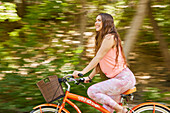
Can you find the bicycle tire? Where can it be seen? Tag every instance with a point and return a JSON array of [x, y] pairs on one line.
[[47, 109], [150, 107]]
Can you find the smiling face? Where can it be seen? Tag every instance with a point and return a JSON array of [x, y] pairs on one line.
[[98, 23]]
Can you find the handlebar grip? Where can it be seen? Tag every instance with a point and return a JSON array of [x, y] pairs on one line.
[[80, 75], [81, 79]]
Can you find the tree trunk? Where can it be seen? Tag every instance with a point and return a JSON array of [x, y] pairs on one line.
[[162, 44], [137, 21], [82, 28], [82, 22], [21, 6]]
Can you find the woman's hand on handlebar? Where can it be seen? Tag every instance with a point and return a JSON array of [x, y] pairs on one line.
[[86, 79], [77, 74]]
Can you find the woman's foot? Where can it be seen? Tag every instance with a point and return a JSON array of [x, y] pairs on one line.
[[124, 110]]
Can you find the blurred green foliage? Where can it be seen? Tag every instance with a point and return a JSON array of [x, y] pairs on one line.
[[156, 95], [8, 11], [46, 42]]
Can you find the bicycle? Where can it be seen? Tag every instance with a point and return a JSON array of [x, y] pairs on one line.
[[148, 107]]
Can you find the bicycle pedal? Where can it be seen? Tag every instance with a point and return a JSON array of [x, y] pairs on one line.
[[82, 85], [131, 97]]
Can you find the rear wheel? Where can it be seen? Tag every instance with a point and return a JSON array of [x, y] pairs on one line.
[[47, 109], [150, 108]]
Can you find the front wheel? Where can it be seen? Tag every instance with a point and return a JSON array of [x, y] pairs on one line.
[[150, 107], [47, 109]]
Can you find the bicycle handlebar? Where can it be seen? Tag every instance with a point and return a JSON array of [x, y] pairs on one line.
[[80, 75], [70, 78]]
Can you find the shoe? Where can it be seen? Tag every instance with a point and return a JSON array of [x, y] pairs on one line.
[[124, 110]]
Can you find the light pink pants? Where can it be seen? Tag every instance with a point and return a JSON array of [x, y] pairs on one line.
[[108, 92]]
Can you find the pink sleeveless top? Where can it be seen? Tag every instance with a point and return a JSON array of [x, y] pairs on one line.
[[108, 64]]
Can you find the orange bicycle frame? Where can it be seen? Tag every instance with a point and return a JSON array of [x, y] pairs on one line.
[[90, 102]]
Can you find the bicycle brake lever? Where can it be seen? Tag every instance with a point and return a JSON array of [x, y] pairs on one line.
[[72, 79], [82, 85]]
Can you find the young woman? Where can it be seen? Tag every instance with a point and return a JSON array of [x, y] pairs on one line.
[[110, 59]]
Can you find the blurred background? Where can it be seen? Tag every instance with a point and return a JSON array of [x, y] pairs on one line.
[[39, 38]]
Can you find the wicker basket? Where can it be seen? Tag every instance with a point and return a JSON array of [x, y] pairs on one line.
[[50, 88]]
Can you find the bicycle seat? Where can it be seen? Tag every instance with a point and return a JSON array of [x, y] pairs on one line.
[[129, 91]]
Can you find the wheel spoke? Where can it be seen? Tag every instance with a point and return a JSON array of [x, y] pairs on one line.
[[41, 110], [154, 109]]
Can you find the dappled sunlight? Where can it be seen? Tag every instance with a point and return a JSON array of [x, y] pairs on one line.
[[160, 6], [67, 67], [90, 46]]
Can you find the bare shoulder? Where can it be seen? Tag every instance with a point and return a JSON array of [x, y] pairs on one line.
[[109, 36], [109, 39]]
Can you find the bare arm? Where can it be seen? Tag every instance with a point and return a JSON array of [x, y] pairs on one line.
[[93, 73], [107, 44], [90, 77]]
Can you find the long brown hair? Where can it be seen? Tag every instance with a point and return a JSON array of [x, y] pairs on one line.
[[108, 27]]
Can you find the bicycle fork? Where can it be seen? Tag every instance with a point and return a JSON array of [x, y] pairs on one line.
[[64, 101]]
